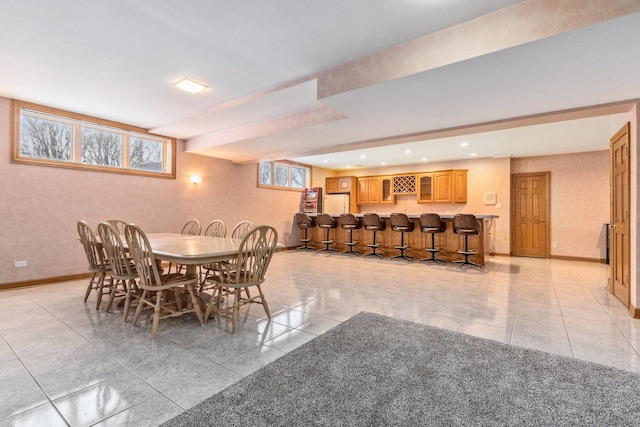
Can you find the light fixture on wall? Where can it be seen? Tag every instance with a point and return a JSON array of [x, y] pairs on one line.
[[196, 179], [190, 86]]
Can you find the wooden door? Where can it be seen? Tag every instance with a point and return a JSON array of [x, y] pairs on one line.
[[620, 227], [530, 215]]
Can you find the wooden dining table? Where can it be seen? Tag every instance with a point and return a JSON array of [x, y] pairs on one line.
[[192, 251]]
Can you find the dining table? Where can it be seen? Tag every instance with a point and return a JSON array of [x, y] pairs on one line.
[[192, 251]]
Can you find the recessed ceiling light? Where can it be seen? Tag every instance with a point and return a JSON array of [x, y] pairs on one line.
[[464, 144], [363, 157], [383, 163], [473, 154], [424, 159], [407, 152], [348, 167], [325, 161], [190, 86]]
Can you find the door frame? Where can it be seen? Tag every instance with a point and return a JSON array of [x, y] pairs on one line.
[[547, 212]]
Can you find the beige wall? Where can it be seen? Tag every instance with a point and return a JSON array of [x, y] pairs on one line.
[[579, 200], [41, 206]]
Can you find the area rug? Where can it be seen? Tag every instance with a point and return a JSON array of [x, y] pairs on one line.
[[373, 370]]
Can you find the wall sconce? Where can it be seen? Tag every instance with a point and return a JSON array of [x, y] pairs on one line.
[[196, 179]]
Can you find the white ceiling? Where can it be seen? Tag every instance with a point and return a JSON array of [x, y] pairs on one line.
[[263, 62]]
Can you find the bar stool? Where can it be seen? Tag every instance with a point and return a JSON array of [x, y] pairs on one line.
[[325, 222], [349, 222], [466, 225], [304, 223], [373, 222], [401, 223], [431, 223]]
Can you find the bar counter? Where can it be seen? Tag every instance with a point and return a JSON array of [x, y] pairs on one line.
[[448, 242]]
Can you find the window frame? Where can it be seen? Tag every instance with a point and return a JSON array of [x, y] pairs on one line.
[[77, 120], [289, 165]]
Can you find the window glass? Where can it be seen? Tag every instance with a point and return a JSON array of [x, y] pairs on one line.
[[282, 176], [146, 154], [101, 147], [45, 138], [298, 175], [266, 175], [51, 137]]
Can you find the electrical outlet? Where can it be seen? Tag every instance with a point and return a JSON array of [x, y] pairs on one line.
[[555, 245], [20, 264]]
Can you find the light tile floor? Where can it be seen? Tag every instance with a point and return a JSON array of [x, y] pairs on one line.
[[64, 363]]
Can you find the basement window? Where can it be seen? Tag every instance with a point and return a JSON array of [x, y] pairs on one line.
[[51, 137], [284, 175]]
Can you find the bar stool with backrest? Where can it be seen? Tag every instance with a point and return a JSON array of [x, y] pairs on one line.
[[466, 225], [431, 223], [304, 223], [401, 223], [326, 223], [349, 222], [373, 222]]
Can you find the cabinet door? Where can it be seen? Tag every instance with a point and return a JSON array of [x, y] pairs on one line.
[[460, 186], [363, 191], [331, 185], [344, 184], [386, 193], [443, 187], [425, 188], [374, 190]]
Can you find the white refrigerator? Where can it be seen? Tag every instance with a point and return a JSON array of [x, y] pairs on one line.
[[336, 203]]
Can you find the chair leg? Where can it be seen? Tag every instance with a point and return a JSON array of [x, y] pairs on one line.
[[90, 287], [264, 302], [374, 247], [466, 254], [351, 245], [236, 309], [306, 241], [433, 252], [327, 242], [156, 316], [402, 248]]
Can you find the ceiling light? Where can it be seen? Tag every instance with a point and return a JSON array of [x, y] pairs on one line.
[[383, 163], [325, 161], [407, 152], [363, 157], [473, 154], [424, 159], [464, 144], [190, 86]]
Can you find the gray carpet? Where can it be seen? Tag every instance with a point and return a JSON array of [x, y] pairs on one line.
[[374, 370]]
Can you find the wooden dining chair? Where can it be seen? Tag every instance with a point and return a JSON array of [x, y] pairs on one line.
[[247, 270], [98, 264], [164, 293], [123, 270], [191, 228], [241, 229], [215, 228], [119, 225]]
